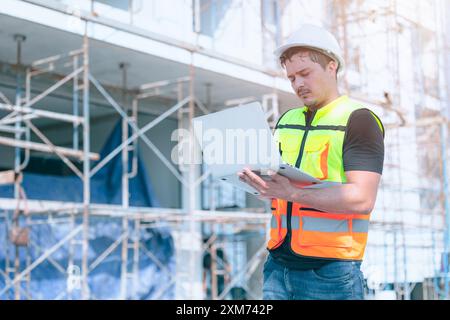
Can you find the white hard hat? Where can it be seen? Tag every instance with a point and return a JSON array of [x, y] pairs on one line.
[[316, 38]]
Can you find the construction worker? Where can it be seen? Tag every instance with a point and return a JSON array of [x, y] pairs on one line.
[[318, 236]]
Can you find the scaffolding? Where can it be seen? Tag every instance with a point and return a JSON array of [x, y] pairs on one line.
[[412, 211], [19, 122]]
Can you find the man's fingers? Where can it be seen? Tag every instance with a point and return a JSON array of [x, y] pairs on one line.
[[273, 175], [277, 177], [255, 178], [243, 177]]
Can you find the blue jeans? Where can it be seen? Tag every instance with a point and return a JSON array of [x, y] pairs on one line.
[[337, 280]]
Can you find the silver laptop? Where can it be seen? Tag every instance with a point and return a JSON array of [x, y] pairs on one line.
[[238, 138]]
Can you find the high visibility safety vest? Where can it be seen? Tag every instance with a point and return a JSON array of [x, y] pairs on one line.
[[316, 148]]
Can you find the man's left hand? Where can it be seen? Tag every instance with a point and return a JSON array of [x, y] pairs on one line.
[[277, 187]]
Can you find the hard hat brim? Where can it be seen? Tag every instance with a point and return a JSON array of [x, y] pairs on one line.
[[280, 50]]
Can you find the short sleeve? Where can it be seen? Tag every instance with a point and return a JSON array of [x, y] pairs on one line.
[[363, 148]]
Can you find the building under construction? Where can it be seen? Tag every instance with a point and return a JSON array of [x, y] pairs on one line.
[[92, 205]]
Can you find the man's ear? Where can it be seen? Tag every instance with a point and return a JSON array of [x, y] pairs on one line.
[[332, 67]]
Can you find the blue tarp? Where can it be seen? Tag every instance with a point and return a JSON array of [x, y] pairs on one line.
[[47, 280]]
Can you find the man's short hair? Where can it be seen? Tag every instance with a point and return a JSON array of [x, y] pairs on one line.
[[314, 55]]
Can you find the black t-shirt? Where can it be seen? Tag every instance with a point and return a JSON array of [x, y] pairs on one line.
[[363, 150]]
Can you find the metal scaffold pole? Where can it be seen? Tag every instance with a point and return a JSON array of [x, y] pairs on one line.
[[19, 39], [445, 255], [86, 168], [125, 188], [192, 190]]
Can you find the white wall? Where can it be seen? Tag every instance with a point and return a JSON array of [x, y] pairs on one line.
[[174, 19]]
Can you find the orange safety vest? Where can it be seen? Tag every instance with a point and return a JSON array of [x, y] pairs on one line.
[[316, 148]]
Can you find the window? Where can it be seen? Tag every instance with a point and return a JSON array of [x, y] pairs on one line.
[[211, 14], [271, 19], [119, 4]]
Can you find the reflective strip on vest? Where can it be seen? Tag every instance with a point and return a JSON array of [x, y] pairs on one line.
[[360, 225], [273, 222], [329, 225], [324, 225], [295, 223]]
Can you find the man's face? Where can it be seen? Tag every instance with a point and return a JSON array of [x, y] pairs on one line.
[[310, 81]]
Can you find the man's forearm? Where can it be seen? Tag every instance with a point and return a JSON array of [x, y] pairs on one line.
[[345, 198]]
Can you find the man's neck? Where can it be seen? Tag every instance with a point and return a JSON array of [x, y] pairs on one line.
[[329, 99]]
